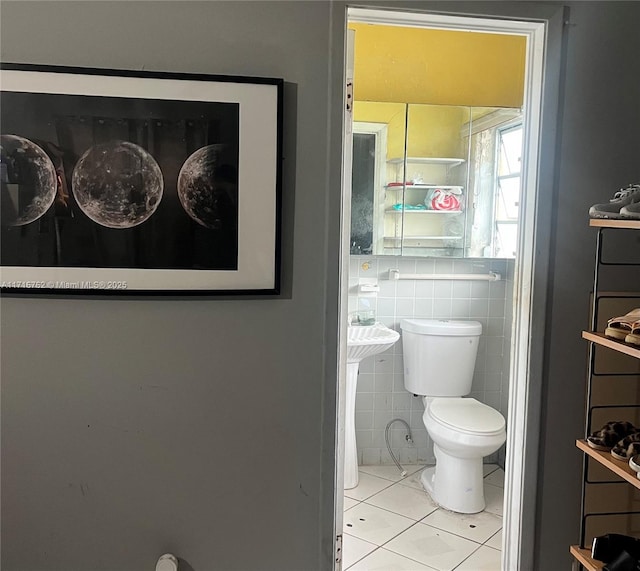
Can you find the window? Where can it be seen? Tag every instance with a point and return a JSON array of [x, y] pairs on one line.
[[507, 197]]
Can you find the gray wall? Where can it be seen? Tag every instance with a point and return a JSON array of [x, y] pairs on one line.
[[381, 395], [599, 152], [130, 428], [135, 427]]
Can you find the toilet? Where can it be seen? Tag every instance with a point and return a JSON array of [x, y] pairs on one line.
[[439, 358]]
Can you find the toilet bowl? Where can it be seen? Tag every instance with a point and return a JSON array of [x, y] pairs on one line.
[[463, 431], [439, 359]]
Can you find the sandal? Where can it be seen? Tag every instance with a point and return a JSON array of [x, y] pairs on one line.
[[620, 327], [628, 447], [634, 336], [610, 434]]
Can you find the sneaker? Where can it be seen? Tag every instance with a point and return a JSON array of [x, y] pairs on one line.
[[631, 211], [621, 199], [609, 547]]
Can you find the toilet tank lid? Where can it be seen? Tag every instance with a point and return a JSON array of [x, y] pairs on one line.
[[444, 327], [467, 414]]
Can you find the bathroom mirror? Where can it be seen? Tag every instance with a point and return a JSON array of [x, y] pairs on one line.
[[435, 180]]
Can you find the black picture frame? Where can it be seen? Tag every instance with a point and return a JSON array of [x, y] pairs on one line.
[[139, 182]]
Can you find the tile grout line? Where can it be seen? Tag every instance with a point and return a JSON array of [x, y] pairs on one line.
[[420, 521], [402, 515], [415, 488], [381, 490], [466, 558], [457, 534], [366, 555], [402, 554], [409, 486], [417, 522]]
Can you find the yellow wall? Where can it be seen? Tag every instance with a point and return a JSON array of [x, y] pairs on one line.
[[434, 131], [414, 65]]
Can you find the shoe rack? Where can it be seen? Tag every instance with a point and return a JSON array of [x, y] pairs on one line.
[[619, 470]]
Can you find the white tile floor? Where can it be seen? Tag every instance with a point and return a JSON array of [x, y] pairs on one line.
[[391, 524]]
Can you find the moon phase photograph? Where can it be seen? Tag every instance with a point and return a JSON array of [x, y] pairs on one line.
[[118, 182], [28, 180]]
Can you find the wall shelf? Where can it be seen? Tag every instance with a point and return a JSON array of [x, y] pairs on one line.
[[610, 223], [618, 467], [420, 186], [425, 211], [585, 559], [407, 238], [420, 180], [619, 346], [428, 160]]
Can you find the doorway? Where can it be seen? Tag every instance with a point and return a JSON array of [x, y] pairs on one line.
[[522, 406]]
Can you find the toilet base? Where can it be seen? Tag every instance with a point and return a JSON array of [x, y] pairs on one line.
[[455, 484]]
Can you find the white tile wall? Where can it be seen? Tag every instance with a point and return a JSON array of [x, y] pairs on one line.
[[381, 396]]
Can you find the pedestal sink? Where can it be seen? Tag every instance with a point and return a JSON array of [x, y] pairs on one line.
[[362, 341]]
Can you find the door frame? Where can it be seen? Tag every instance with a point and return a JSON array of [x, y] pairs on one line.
[[541, 87]]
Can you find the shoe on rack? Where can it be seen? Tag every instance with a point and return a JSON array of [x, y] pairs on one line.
[[627, 448], [621, 199], [610, 435], [624, 562], [634, 337], [631, 211], [609, 547], [620, 327]]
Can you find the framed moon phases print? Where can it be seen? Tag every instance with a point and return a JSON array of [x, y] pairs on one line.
[[116, 181]]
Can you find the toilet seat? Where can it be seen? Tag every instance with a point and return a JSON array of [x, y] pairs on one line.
[[466, 415]]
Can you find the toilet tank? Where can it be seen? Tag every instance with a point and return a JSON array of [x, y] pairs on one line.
[[439, 356]]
